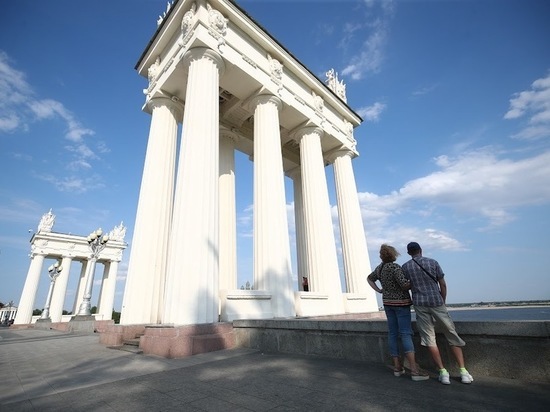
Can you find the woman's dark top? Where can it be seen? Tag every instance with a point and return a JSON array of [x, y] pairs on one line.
[[392, 279]]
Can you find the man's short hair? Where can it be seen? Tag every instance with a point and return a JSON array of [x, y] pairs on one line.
[[413, 247]]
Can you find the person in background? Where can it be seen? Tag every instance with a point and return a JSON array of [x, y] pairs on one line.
[[429, 292], [397, 305], [305, 284]]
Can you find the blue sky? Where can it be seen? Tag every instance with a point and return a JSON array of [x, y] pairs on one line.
[[454, 148]]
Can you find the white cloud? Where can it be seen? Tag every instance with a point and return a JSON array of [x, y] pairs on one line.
[[534, 103], [477, 184], [73, 184], [9, 123], [425, 90], [20, 107], [13, 86], [48, 109], [372, 113], [371, 54]]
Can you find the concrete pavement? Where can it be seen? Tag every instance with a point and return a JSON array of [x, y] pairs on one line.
[[43, 370]]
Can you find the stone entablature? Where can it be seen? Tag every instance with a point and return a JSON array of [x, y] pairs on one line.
[[62, 245], [254, 63]]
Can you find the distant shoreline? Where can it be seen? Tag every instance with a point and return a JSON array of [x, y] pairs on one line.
[[469, 307]]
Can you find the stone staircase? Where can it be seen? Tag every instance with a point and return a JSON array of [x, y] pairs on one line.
[[169, 341], [130, 345]]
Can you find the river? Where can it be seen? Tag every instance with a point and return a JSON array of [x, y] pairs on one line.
[[500, 314]]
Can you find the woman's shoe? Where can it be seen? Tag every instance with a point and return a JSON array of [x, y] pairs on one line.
[[399, 372], [419, 376]]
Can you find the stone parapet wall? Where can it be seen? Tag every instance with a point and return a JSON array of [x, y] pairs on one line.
[[516, 350]]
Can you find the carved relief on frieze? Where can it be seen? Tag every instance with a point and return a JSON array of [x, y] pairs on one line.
[[299, 99], [276, 72], [348, 128], [249, 61], [187, 25], [318, 102], [319, 105], [218, 25], [153, 70]]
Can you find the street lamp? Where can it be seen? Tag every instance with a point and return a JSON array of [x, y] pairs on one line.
[[97, 242], [53, 271]]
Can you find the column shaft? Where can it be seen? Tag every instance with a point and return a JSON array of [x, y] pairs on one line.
[[354, 243], [106, 302], [272, 265], [352, 233], [60, 290], [28, 296], [81, 287], [322, 259], [228, 222], [192, 276], [301, 243], [143, 294]]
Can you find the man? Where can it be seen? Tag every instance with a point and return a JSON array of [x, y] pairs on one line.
[[429, 292]]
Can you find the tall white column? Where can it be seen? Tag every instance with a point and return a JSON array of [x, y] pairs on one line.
[[107, 298], [322, 260], [354, 242], [28, 296], [85, 305], [81, 287], [228, 221], [272, 265], [143, 294], [301, 244], [60, 290], [192, 279]]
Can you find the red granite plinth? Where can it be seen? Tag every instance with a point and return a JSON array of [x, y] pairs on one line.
[[183, 341]]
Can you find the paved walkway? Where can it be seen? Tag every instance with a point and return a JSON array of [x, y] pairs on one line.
[[54, 371]]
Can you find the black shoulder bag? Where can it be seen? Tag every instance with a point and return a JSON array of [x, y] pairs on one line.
[[427, 273]]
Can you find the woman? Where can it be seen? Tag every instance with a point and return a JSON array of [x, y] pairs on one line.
[[397, 305]]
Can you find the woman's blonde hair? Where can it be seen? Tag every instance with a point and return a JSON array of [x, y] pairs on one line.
[[388, 253]]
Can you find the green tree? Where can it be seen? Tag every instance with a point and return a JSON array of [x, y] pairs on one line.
[[116, 316], [37, 312]]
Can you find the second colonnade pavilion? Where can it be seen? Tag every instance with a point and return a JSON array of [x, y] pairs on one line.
[[233, 87]]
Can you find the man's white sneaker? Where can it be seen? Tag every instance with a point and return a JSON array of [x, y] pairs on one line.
[[444, 378], [465, 377]]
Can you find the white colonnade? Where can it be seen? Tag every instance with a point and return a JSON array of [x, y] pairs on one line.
[[233, 87], [66, 249]]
